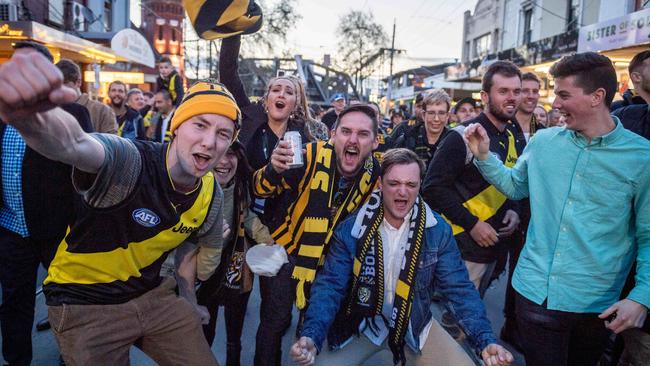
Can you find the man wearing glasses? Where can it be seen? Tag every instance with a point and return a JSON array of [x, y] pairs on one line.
[[482, 218], [424, 138]]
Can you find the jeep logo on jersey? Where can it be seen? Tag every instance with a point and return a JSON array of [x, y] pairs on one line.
[[146, 217]]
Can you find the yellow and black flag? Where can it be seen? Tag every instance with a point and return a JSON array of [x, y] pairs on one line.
[[214, 19]]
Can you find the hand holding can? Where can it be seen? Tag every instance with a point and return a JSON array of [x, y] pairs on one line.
[[295, 140], [281, 157]]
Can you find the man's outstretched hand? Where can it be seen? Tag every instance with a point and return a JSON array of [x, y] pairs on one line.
[[477, 141], [495, 355], [30, 84], [303, 352]]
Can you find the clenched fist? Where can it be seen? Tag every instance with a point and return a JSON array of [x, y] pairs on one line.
[[30, 84]]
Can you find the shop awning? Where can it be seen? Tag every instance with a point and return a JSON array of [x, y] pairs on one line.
[[67, 45]]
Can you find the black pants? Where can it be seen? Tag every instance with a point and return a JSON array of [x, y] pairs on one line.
[[213, 294], [278, 295], [559, 338], [514, 250], [19, 260]]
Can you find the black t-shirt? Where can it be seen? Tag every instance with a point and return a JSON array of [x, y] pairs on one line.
[[329, 118]]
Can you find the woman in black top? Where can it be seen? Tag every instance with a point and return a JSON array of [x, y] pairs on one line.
[[264, 123]]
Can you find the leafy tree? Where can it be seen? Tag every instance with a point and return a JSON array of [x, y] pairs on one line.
[[279, 19], [360, 38]]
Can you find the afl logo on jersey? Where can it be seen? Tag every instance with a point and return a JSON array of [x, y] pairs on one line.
[[145, 217]]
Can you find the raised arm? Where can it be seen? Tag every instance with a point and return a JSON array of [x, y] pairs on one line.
[[229, 69], [512, 182], [32, 92]]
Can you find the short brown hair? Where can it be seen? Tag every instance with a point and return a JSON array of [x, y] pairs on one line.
[[70, 70], [363, 108], [400, 156], [117, 82], [437, 96], [503, 68], [530, 77], [591, 70], [164, 60], [637, 61]]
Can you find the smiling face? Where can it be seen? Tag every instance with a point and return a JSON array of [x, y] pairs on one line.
[[503, 98], [198, 144], [400, 186], [436, 117], [226, 168], [281, 99], [135, 101], [573, 103], [117, 94], [529, 96], [354, 140]]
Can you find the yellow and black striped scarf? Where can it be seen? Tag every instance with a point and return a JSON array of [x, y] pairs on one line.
[[310, 232], [367, 295], [235, 278]]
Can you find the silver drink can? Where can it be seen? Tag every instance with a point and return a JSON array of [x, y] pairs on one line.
[[294, 138]]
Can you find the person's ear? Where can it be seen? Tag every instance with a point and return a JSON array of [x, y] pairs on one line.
[[598, 97], [485, 97]]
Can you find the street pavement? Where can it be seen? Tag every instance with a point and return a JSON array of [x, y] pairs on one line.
[[46, 353]]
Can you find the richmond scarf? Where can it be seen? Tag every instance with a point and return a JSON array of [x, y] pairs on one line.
[[237, 275], [367, 295], [316, 221]]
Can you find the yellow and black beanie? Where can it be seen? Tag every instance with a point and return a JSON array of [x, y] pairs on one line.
[[214, 19], [204, 97]]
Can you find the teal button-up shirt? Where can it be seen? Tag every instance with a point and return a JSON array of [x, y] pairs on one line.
[[590, 204]]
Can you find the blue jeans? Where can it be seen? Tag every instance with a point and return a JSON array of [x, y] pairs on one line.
[[559, 338]]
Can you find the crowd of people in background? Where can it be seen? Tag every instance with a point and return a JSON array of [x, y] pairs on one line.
[[388, 215]]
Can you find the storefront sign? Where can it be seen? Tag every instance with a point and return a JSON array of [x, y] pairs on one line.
[[132, 45], [6, 31], [628, 30], [110, 76]]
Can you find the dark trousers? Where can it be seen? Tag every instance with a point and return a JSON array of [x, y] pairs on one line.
[[278, 295], [212, 294], [19, 260], [514, 250], [559, 338]]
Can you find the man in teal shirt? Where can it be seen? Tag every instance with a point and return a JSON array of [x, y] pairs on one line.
[[589, 190]]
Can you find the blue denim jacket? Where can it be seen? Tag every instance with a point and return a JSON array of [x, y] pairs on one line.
[[440, 268]]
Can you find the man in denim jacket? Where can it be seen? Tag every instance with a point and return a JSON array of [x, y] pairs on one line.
[[379, 277]]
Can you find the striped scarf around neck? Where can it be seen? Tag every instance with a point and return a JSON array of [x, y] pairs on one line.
[[367, 295], [317, 220]]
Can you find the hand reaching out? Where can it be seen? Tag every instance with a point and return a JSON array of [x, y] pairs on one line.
[[477, 141], [303, 352]]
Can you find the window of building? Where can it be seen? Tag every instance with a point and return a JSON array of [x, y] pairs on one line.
[[641, 4], [108, 15], [528, 26], [482, 45], [573, 15]]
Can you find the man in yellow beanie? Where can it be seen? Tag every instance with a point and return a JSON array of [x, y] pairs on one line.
[[140, 201]]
